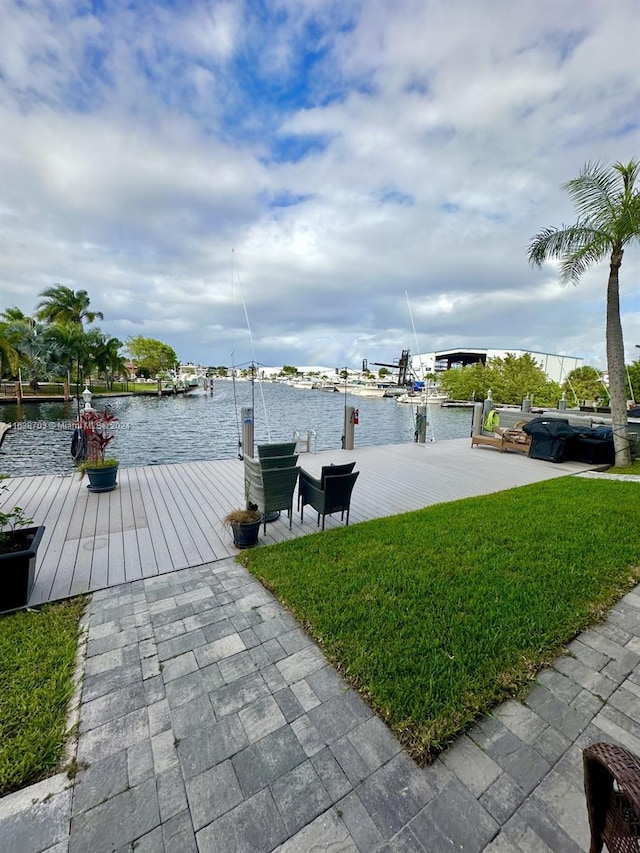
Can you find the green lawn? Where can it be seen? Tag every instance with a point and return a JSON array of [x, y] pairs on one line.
[[37, 659], [634, 469], [437, 615]]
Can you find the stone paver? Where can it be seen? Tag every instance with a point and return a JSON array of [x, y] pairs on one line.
[[210, 722]]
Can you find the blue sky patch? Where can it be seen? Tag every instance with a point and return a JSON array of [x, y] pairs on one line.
[[288, 199], [292, 149], [396, 197]]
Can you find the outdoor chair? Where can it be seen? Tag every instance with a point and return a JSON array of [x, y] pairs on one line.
[[326, 470], [287, 448], [270, 489], [278, 461], [331, 495], [514, 438], [612, 788]]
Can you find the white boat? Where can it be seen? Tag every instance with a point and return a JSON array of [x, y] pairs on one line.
[[422, 399], [325, 386], [437, 399], [367, 391], [362, 389], [190, 375], [307, 384]]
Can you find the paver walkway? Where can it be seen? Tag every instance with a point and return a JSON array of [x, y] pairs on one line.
[[210, 722]]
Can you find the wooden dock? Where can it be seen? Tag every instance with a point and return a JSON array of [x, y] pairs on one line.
[[163, 518]]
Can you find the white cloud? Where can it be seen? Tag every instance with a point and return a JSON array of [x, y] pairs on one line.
[[140, 148]]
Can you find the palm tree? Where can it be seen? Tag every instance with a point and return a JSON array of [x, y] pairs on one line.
[[108, 360], [9, 358], [12, 323], [608, 207], [61, 304], [38, 353], [70, 340], [14, 315]]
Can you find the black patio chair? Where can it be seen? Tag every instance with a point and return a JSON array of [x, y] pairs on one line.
[[326, 470], [328, 496]]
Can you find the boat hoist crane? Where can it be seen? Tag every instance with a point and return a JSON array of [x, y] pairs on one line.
[[402, 367]]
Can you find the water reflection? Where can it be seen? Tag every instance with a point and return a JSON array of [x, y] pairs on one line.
[[197, 426]]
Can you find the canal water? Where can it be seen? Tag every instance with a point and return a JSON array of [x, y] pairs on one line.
[[196, 426]]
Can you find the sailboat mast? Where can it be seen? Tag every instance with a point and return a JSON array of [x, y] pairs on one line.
[[415, 337], [253, 349]]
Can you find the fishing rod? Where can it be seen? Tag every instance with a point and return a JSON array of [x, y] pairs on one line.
[[253, 347]]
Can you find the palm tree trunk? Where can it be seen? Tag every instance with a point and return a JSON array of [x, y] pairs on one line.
[[615, 365]]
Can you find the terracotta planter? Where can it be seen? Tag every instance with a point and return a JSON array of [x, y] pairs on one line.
[[17, 567], [102, 479]]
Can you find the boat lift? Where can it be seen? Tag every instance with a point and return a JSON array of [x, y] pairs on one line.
[[402, 367]]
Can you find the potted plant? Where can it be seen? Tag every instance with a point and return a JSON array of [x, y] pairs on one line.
[[18, 545], [245, 525], [97, 428]]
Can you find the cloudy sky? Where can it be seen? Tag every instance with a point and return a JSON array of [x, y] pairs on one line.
[[336, 167]]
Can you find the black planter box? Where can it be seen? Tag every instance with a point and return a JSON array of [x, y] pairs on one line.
[[17, 569]]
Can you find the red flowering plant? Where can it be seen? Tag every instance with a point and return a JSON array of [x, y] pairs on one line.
[[96, 429]]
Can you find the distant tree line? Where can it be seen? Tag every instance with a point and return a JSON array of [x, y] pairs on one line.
[[514, 378]]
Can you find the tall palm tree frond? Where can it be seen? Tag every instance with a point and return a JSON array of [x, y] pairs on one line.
[[593, 192], [576, 263], [9, 357], [12, 315], [630, 172], [628, 226], [62, 304], [558, 242]]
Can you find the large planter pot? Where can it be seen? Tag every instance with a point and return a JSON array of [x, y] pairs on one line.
[[18, 566], [245, 534], [102, 479]]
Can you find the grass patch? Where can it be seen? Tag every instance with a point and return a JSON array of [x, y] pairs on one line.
[[37, 658], [634, 468], [437, 615]]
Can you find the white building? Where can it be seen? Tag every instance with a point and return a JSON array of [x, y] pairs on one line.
[[557, 367]]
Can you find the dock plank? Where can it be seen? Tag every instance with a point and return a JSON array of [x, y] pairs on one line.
[[132, 561], [84, 559], [157, 560], [188, 516], [48, 561], [144, 543], [116, 572], [211, 506], [165, 526]]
